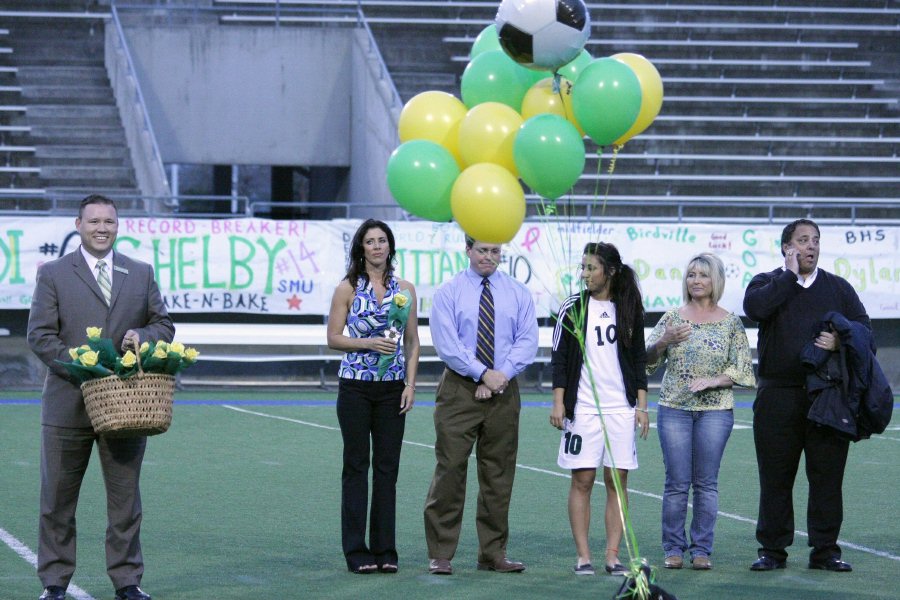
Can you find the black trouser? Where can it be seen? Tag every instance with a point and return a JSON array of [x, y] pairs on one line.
[[370, 410], [782, 432]]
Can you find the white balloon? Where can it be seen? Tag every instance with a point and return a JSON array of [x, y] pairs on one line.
[[528, 15], [543, 34]]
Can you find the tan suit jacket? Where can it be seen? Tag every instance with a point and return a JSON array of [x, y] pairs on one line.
[[67, 300]]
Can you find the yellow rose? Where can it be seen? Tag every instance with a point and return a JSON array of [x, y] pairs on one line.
[[160, 352], [93, 333], [88, 359], [73, 352], [84, 348], [177, 347], [161, 344], [144, 347], [191, 354], [400, 300], [128, 359]]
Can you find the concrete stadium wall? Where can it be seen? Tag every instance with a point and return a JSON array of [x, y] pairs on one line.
[[247, 95], [375, 114]]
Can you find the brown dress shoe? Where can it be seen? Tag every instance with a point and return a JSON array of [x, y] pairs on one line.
[[439, 566], [701, 563], [501, 565], [673, 562]]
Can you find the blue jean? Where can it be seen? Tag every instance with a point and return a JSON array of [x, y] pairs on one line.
[[693, 443]]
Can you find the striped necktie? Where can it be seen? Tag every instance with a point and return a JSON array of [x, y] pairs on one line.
[[103, 280], [484, 346]]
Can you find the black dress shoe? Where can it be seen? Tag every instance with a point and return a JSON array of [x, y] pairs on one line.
[[767, 563], [832, 563], [131, 592], [53, 592]]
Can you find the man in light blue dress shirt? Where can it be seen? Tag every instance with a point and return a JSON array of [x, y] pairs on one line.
[[477, 403]]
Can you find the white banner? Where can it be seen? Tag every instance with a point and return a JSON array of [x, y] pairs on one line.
[[291, 267]]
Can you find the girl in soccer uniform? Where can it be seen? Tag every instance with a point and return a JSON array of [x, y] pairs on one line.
[[600, 383]]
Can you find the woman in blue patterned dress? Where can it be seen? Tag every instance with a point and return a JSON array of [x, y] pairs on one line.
[[707, 353], [372, 402]]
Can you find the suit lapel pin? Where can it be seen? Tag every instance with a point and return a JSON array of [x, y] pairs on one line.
[[120, 269]]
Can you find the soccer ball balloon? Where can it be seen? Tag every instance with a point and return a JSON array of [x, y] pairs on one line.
[[543, 34]]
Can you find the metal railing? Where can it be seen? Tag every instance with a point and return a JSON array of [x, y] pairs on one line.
[[575, 207], [148, 161]]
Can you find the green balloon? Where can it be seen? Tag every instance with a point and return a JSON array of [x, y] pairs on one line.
[[573, 69], [549, 154], [487, 40], [606, 100], [493, 76], [420, 175]]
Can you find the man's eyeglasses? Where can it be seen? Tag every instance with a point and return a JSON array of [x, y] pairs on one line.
[[488, 251]]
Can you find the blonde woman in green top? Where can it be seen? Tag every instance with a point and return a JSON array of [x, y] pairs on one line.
[[706, 353]]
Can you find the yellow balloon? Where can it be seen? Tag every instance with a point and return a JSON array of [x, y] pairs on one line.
[[541, 98], [433, 116], [651, 93], [487, 134], [488, 203]]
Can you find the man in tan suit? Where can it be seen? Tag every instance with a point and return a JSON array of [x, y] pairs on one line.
[[90, 287]]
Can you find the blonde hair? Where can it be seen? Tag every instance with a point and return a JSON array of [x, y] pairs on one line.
[[713, 266]]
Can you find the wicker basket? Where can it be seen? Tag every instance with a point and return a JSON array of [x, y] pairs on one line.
[[138, 406]]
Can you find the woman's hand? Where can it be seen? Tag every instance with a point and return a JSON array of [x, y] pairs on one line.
[[642, 422], [675, 334], [407, 399], [557, 415], [709, 383], [382, 345]]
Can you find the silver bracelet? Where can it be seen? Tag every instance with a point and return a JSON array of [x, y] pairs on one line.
[[643, 410], [412, 387]]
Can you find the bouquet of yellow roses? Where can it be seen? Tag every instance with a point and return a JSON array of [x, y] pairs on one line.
[[128, 395], [98, 358], [398, 313]]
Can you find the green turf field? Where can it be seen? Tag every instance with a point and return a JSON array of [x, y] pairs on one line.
[[242, 501]]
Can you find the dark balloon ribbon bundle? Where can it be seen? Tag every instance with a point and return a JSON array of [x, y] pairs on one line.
[[639, 585]]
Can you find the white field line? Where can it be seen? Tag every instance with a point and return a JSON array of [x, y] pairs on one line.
[[31, 558], [726, 515]]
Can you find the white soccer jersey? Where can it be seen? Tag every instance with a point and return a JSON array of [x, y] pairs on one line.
[[601, 356]]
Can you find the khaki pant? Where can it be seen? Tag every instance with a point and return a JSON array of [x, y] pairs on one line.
[[461, 422]]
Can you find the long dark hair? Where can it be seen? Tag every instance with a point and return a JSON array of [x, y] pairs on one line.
[[357, 263], [624, 288]]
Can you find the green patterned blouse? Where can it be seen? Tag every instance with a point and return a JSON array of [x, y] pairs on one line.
[[712, 349]]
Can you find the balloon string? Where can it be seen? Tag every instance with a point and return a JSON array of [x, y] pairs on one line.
[[609, 171], [559, 92], [597, 178]]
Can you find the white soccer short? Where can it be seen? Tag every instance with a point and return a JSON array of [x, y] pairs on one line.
[[582, 445]]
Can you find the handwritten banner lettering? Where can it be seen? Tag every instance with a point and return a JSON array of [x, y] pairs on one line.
[[292, 267]]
